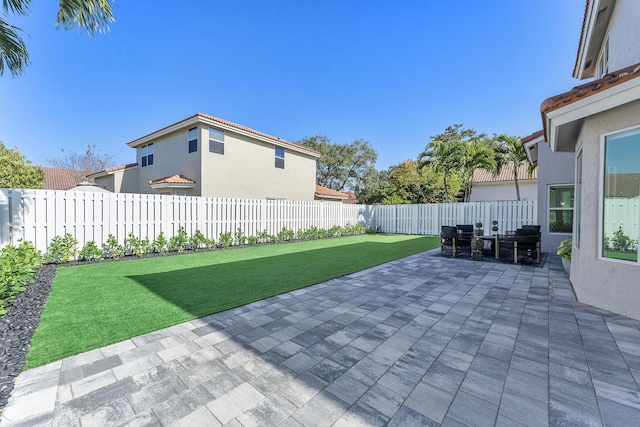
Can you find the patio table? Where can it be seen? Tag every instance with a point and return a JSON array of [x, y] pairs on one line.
[[493, 238]]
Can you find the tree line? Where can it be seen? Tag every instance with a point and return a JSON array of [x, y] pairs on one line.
[[441, 173]]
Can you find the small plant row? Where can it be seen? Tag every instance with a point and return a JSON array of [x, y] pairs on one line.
[[65, 248]]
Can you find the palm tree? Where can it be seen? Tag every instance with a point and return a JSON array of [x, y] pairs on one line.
[[443, 157], [94, 16], [511, 150], [476, 153]]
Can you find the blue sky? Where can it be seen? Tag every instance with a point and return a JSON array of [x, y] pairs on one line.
[[393, 73]]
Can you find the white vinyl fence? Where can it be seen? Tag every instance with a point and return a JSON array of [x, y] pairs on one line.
[[427, 219], [40, 215], [619, 212]]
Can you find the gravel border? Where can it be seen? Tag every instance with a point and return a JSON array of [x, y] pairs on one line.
[[18, 326]]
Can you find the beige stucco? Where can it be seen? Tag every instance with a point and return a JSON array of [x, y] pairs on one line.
[[623, 33], [609, 284], [503, 191], [247, 170], [119, 181]]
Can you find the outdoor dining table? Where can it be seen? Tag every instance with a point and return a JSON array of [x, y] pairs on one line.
[[496, 243]]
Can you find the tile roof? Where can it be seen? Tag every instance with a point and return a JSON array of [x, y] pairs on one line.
[[532, 136], [62, 179], [591, 88], [323, 191], [276, 139], [506, 174], [114, 169], [173, 179]]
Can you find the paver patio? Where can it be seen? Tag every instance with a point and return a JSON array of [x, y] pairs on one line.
[[419, 341]]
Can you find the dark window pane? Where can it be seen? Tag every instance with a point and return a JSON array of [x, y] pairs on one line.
[[193, 145], [150, 159], [280, 152], [216, 147], [279, 163], [144, 161]]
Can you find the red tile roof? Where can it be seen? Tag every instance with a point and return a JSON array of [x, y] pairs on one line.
[[276, 139], [532, 136], [62, 179], [173, 179], [114, 169], [506, 174], [585, 90], [323, 191]]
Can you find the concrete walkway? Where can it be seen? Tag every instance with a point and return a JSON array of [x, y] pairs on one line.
[[419, 341]]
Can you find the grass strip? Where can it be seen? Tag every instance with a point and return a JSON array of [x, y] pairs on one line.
[[91, 306]]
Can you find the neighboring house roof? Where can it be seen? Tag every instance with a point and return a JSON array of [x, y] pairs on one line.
[[109, 171], [623, 185], [207, 119], [531, 146], [327, 193], [173, 179], [532, 136], [352, 199], [62, 179], [506, 174]]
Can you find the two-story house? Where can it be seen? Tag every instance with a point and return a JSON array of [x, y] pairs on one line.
[[206, 156], [599, 123]]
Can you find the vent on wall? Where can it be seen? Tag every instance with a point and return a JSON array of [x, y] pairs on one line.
[[601, 15], [588, 64]]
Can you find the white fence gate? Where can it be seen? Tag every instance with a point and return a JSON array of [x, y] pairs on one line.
[[40, 215]]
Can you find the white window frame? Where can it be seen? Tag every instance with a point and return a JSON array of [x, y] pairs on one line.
[[213, 139], [602, 66], [577, 196], [600, 242], [549, 208], [190, 140], [144, 155], [279, 157]]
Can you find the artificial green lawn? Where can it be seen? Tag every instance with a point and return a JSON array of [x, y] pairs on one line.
[[94, 305], [627, 256]]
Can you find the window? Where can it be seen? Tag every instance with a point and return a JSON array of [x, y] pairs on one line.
[[193, 139], [560, 208], [602, 67], [216, 141], [578, 198], [280, 158], [146, 155], [621, 196]]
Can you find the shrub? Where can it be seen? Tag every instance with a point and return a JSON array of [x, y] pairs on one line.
[[137, 246], [198, 241], [286, 235], [335, 231], [373, 229], [240, 238], [252, 240], [62, 249], [90, 252], [564, 249], [265, 237], [160, 244], [621, 242], [226, 239], [179, 241], [17, 268], [112, 249]]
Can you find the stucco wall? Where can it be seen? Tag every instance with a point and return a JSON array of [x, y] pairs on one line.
[[623, 29], [170, 157], [247, 170], [553, 169], [605, 283], [503, 191]]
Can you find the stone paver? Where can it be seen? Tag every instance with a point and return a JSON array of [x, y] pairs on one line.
[[423, 340]]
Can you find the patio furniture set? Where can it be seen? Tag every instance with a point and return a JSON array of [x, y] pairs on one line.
[[522, 244]]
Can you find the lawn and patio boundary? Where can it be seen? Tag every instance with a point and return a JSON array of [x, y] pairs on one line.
[[39, 215], [94, 305]]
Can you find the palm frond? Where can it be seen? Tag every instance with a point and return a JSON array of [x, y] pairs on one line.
[[94, 16], [16, 6], [13, 51]]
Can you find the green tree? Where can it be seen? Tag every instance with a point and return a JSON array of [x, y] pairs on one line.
[[478, 152], [17, 172], [510, 150], [342, 167], [93, 16], [89, 161]]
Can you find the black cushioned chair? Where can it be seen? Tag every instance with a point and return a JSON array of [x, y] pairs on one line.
[[448, 236], [465, 236], [525, 241]]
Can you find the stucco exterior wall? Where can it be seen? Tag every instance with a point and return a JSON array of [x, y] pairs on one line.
[[553, 169], [623, 29], [609, 284], [171, 157], [247, 170], [503, 191]]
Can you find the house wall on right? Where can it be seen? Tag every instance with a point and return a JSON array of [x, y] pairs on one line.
[[608, 283], [555, 172]]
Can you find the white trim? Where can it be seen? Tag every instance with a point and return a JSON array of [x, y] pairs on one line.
[[163, 185], [608, 99], [531, 145], [105, 173], [600, 249], [577, 196], [572, 209]]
